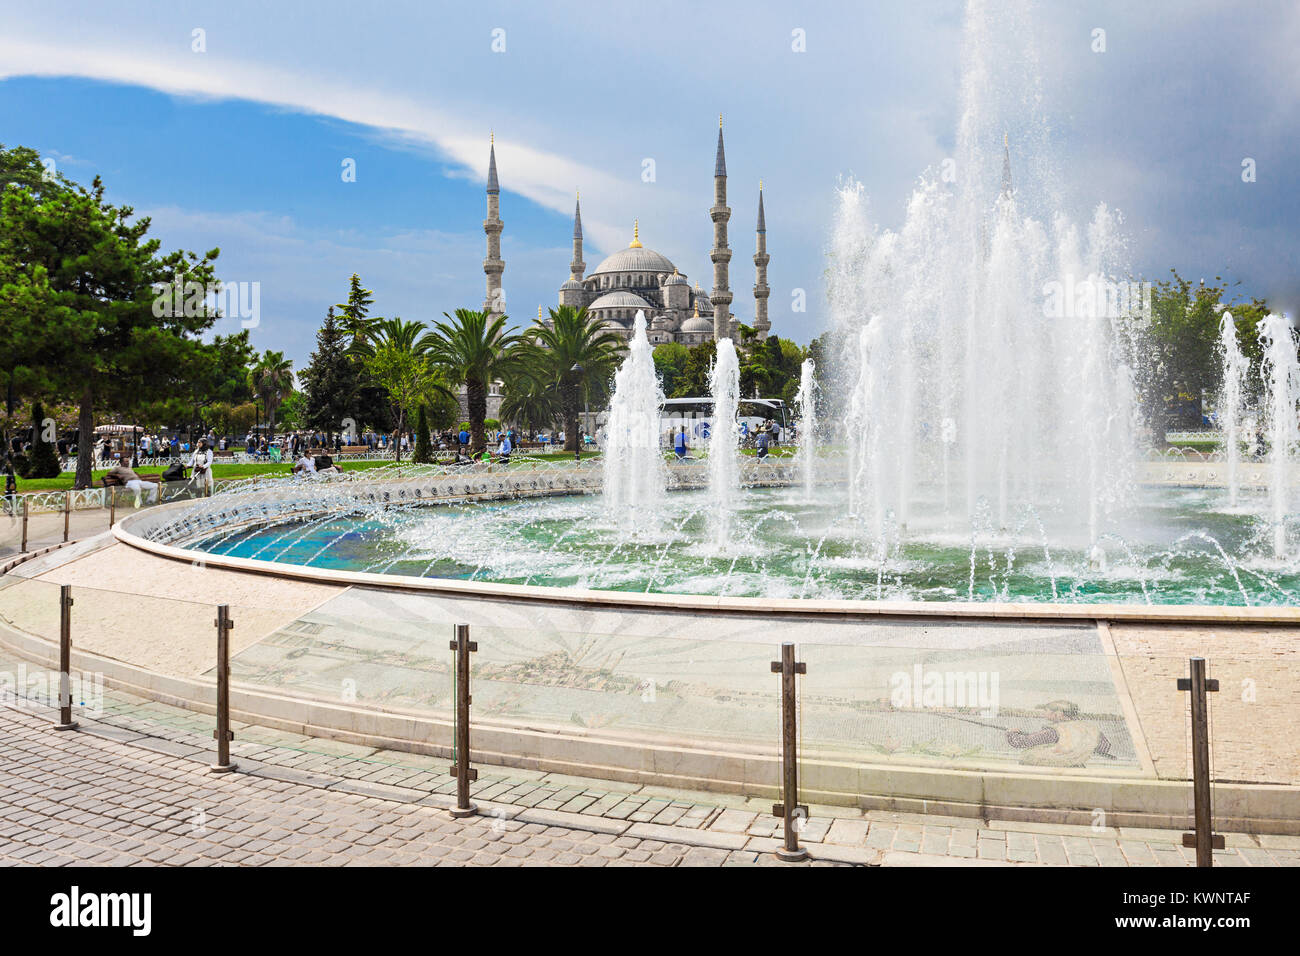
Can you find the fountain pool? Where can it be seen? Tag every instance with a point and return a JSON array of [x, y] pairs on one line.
[[1182, 546]]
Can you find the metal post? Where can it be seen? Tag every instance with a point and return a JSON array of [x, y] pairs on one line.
[[26, 510], [465, 774], [789, 809], [222, 733], [112, 504], [65, 659], [67, 512], [1204, 839]]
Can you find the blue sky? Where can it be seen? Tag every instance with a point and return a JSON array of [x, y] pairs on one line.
[[240, 146]]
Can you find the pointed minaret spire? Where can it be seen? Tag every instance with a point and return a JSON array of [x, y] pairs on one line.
[[577, 267], [720, 162], [492, 185], [493, 264], [761, 259], [723, 325], [1006, 165], [636, 235]]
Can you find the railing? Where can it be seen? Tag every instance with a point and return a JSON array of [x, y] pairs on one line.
[[845, 710]]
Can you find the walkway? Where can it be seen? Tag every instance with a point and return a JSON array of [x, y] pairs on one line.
[[130, 788]]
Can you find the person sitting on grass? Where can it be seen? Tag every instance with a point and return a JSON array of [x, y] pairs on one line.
[[305, 465]]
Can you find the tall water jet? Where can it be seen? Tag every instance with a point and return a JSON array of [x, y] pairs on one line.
[[988, 342], [724, 437], [634, 475], [1281, 372], [1231, 394], [807, 401]]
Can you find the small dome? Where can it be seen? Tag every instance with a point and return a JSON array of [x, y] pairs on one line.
[[675, 279], [571, 284], [697, 323], [619, 299], [701, 301]]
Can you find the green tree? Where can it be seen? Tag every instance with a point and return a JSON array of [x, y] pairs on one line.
[[694, 380], [271, 380], [574, 356], [81, 291], [423, 453], [473, 350], [355, 314], [331, 381], [397, 361], [1182, 351], [43, 461], [670, 362]]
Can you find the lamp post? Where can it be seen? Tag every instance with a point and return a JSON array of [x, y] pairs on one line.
[[577, 372]]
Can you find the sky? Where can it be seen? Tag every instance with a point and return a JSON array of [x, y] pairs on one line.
[[229, 126]]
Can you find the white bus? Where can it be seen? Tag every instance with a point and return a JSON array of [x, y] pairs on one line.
[[696, 416]]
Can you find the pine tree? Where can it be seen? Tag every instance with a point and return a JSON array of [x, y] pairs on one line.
[[330, 381], [423, 454], [44, 459]]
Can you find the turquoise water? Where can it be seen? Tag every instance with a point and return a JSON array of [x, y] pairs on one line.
[[1175, 546]]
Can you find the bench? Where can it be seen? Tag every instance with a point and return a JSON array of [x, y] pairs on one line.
[[108, 481]]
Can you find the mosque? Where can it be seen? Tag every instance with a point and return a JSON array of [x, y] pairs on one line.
[[640, 279]]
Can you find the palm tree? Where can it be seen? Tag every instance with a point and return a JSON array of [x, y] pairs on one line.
[[395, 360], [571, 355], [475, 350], [271, 380]]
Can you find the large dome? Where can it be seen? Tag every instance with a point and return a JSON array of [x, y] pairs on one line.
[[634, 259]]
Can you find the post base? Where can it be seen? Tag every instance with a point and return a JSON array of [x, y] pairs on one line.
[[222, 767], [459, 812], [792, 856], [69, 726]]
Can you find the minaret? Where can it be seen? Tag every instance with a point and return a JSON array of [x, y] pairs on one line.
[[493, 265], [720, 253], [761, 258], [577, 267]]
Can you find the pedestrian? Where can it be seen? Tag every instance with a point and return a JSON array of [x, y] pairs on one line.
[[201, 462]]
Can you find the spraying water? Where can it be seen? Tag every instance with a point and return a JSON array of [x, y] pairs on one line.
[[988, 342], [1230, 399], [634, 477], [806, 399], [724, 435], [1281, 371]]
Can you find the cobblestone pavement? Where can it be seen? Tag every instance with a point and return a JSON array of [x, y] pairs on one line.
[[131, 788], [76, 798]]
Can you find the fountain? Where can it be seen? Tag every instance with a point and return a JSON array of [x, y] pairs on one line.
[[805, 398], [1281, 371], [1231, 402], [634, 476], [988, 332], [724, 436], [981, 385]]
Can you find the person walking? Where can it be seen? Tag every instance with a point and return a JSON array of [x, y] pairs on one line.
[[201, 463]]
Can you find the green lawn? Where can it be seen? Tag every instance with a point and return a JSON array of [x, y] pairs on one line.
[[227, 470]]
